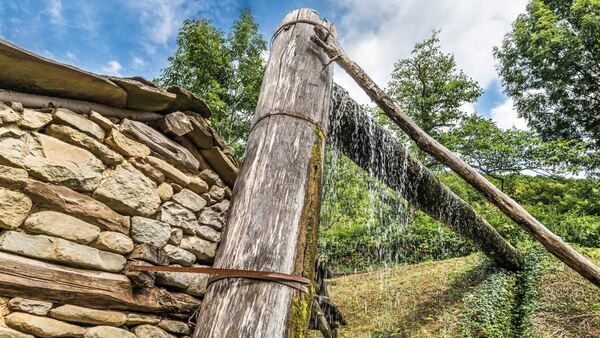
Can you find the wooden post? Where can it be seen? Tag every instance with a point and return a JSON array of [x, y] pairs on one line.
[[381, 155], [274, 216]]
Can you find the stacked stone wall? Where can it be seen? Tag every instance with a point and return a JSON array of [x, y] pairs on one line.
[[77, 191]]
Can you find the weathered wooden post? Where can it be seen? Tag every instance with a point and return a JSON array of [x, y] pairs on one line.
[[274, 216]]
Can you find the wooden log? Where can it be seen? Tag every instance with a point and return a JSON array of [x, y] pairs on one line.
[[78, 106], [553, 243], [30, 278], [159, 143], [381, 155], [274, 216]]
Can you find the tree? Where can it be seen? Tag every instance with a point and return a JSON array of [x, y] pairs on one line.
[[550, 66], [429, 87], [226, 71], [500, 153]]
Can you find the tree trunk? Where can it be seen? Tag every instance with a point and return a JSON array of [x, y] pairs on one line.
[[512, 209], [274, 216], [380, 154]]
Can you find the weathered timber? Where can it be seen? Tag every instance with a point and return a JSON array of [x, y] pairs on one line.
[[30, 278], [274, 216], [380, 154], [26, 72], [78, 106], [159, 143], [553, 243]]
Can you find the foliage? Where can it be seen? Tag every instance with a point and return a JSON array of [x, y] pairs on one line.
[[550, 65], [495, 151], [429, 87], [226, 71]]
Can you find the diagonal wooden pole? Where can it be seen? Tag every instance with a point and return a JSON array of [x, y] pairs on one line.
[[512, 209], [274, 215]]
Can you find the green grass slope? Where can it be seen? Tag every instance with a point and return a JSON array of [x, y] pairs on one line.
[[469, 297]]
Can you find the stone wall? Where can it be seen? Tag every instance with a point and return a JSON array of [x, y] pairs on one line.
[[81, 191]]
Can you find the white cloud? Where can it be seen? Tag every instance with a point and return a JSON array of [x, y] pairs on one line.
[[162, 19], [71, 55], [376, 35], [137, 62], [112, 67], [55, 11], [506, 116], [468, 108]]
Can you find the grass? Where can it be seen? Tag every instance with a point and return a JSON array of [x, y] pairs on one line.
[[468, 297]]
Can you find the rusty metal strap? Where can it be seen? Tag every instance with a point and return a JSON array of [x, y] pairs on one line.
[[292, 281]]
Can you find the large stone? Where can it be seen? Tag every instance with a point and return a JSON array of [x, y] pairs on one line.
[[197, 185], [79, 122], [14, 207], [176, 236], [199, 284], [126, 146], [217, 193], [141, 318], [35, 307], [141, 96], [203, 250], [212, 218], [60, 250], [102, 121], [150, 254], [61, 225], [179, 256], [177, 216], [42, 326], [128, 191], [222, 206], [210, 177], [82, 206], [179, 280], [149, 231], [190, 200], [78, 314], [170, 171], [147, 169], [8, 115], [174, 326], [34, 120], [208, 233], [14, 178], [114, 242], [149, 331], [50, 159], [164, 191], [79, 139], [223, 164], [107, 332], [6, 332], [186, 100]]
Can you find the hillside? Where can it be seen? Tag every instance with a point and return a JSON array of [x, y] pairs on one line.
[[468, 297]]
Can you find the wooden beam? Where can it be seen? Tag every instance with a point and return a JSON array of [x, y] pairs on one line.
[[274, 216], [552, 242], [78, 106], [380, 154], [30, 278]]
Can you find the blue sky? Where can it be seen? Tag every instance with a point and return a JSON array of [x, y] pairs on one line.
[[135, 37]]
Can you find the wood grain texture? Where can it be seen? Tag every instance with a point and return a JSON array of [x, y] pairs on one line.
[[380, 154], [274, 214], [30, 278], [553, 243]]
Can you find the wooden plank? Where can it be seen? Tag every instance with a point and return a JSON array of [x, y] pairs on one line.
[[380, 154], [24, 71], [30, 278], [78, 106], [552, 242], [159, 143], [274, 216]]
